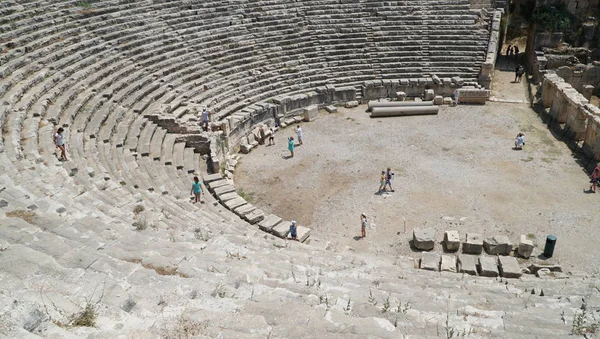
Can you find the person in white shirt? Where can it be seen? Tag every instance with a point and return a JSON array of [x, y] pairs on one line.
[[520, 141], [205, 118], [299, 133], [59, 141]]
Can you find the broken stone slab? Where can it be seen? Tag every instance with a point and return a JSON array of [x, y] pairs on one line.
[[331, 109], [509, 267], [533, 268], [351, 104], [228, 196], [424, 238], [269, 222], [525, 247], [234, 203], [218, 183], [448, 263], [488, 266], [242, 210], [498, 245], [254, 216], [430, 261], [452, 240], [467, 264], [473, 243], [224, 189]]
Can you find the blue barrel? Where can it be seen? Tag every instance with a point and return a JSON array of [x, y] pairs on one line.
[[550, 245]]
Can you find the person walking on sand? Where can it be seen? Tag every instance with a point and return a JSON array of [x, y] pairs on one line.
[[388, 179], [381, 182], [271, 136], [519, 141], [595, 179], [197, 190], [291, 146], [299, 133], [519, 73], [293, 230], [363, 225], [59, 141]]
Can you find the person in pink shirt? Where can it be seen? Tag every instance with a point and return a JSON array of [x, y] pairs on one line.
[[595, 178]]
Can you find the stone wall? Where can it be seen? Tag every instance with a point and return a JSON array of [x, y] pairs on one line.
[[487, 68], [576, 7], [379, 89], [581, 77], [566, 106]]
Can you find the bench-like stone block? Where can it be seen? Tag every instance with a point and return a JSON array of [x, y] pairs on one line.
[[525, 247], [254, 216], [430, 261], [282, 229], [509, 267], [488, 266], [448, 263], [234, 203], [424, 238], [269, 222], [351, 104], [438, 100], [452, 240], [228, 196], [218, 183], [498, 244], [224, 189], [212, 177], [473, 243], [467, 264]]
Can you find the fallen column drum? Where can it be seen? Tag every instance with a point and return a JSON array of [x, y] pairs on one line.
[[406, 110], [373, 104]]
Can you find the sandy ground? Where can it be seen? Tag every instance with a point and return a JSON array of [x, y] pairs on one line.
[[453, 171]]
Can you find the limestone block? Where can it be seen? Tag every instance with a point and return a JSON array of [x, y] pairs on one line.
[[254, 216], [245, 148], [424, 238], [498, 244], [218, 183], [488, 266], [452, 240], [331, 109], [467, 264], [429, 95], [302, 233], [509, 267], [224, 189], [228, 196], [269, 222], [448, 101], [282, 229], [212, 177], [401, 96], [473, 243], [430, 261], [436, 79], [457, 81], [525, 247], [351, 104], [235, 203], [448, 263], [438, 100], [300, 118]]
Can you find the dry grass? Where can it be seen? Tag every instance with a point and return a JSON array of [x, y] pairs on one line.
[[28, 216]]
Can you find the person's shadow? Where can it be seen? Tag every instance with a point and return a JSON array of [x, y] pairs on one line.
[[517, 149], [588, 191], [357, 237], [286, 157]]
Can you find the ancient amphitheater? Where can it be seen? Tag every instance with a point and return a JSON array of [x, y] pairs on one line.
[[108, 243]]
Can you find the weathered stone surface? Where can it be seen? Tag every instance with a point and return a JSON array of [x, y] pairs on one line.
[[424, 238], [488, 266], [448, 101], [438, 100], [331, 109], [401, 96], [509, 267], [34, 319], [430, 261], [212, 177], [282, 229], [269, 222], [311, 113], [533, 268], [473, 243], [467, 264], [351, 104], [448, 263], [234, 203], [429, 95], [224, 189], [452, 240], [3, 203], [525, 247], [498, 244]]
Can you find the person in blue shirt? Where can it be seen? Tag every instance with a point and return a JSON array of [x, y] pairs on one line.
[[291, 146], [293, 233], [197, 190]]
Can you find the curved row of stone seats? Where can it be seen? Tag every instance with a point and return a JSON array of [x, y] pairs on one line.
[[230, 274]]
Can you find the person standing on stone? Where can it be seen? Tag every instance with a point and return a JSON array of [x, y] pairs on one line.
[[59, 141], [363, 225], [595, 179], [381, 182], [291, 146], [197, 190], [299, 133], [206, 118], [272, 136], [388, 179], [293, 230]]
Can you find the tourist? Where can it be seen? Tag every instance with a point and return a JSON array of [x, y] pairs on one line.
[[197, 190], [455, 96], [519, 141], [293, 233], [516, 51], [381, 182], [595, 178], [291, 146], [363, 225], [206, 118], [299, 133], [261, 132], [59, 141], [509, 50], [388, 179], [520, 73], [271, 136]]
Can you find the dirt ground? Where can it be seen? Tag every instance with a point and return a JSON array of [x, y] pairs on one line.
[[453, 171]]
